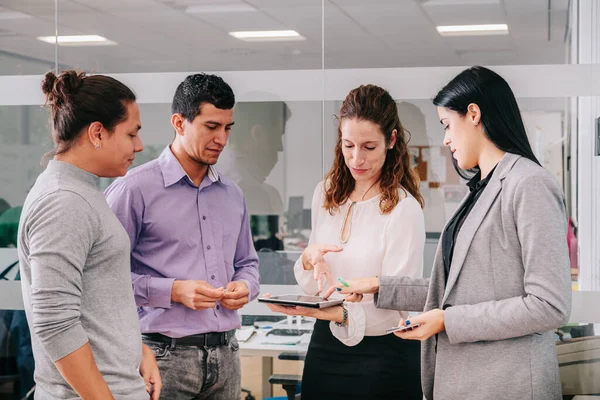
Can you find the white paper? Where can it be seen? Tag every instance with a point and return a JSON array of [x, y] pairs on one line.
[[284, 340], [244, 334], [437, 167]]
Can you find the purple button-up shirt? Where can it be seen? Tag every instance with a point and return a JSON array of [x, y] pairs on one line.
[[181, 231]]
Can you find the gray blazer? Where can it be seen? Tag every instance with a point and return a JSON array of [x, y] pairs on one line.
[[508, 287]]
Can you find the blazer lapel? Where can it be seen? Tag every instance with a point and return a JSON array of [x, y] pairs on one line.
[[475, 218], [438, 274]]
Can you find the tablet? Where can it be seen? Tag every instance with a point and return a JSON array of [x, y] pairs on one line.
[[301, 300]]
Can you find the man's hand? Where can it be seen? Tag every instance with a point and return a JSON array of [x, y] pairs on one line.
[[236, 295], [149, 371], [197, 295]]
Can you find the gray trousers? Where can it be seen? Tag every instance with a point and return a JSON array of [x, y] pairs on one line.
[[191, 372]]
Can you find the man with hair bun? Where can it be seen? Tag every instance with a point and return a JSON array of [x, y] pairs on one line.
[[74, 253]]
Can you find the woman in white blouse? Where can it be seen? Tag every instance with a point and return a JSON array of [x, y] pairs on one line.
[[367, 220]]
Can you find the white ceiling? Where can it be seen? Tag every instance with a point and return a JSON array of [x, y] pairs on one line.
[[159, 36]]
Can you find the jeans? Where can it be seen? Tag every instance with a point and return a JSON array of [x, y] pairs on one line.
[[198, 372]]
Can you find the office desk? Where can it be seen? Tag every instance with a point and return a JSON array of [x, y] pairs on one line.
[[254, 348]]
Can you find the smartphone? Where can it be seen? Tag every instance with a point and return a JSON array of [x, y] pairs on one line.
[[402, 328]]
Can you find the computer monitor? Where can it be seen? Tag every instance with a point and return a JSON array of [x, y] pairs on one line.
[[295, 213], [306, 218]]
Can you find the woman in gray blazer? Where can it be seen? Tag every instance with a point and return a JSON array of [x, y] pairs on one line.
[[501, 280]]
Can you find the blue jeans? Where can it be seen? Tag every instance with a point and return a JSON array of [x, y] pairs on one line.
[[198, 372]]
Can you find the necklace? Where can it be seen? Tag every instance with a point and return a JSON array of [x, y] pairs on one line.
[[348, 211]]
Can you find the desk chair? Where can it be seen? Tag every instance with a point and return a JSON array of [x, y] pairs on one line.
[[289, 382], [14, 380], [248, 394]]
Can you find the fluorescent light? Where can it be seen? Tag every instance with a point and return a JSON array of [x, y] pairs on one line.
[[267, 36], [263, 34], [78, 40], [223, 8], [473, 30]]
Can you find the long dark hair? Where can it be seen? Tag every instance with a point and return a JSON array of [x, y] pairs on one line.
[[500, 115], [77, 100], [374, 104]]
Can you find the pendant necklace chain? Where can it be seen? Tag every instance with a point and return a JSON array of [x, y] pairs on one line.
[[348, 211]]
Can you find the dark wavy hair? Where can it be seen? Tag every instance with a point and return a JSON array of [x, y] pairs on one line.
[[76, 100], [374, 104], [500, 115]]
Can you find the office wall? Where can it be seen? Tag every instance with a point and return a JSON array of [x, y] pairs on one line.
[[588, 112]]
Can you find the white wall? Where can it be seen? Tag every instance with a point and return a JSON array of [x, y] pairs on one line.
[[547, 137], [588, 109]]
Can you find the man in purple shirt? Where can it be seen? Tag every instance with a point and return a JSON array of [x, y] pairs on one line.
[[193, 262]]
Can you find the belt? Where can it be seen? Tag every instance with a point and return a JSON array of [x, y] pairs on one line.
[[204, 339]]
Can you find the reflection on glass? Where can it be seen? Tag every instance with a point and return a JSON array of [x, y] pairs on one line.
[[24, 138], [150, 153], [252, 152]]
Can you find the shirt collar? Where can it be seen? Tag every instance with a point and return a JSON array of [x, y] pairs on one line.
[[173, 172], [213, 174], [476, 183]]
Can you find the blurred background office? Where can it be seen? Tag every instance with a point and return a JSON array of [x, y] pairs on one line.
[[290, 63]]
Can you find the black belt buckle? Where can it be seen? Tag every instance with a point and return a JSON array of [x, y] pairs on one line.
[[225, 339]]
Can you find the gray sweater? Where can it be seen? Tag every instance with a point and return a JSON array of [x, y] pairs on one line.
[[74, 260]]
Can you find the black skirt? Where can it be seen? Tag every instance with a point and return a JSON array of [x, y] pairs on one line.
[[379, 367]]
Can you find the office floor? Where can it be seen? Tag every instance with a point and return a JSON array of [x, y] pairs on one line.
[[252, 374]]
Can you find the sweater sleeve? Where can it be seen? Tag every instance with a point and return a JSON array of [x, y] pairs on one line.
[[61, 230]]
